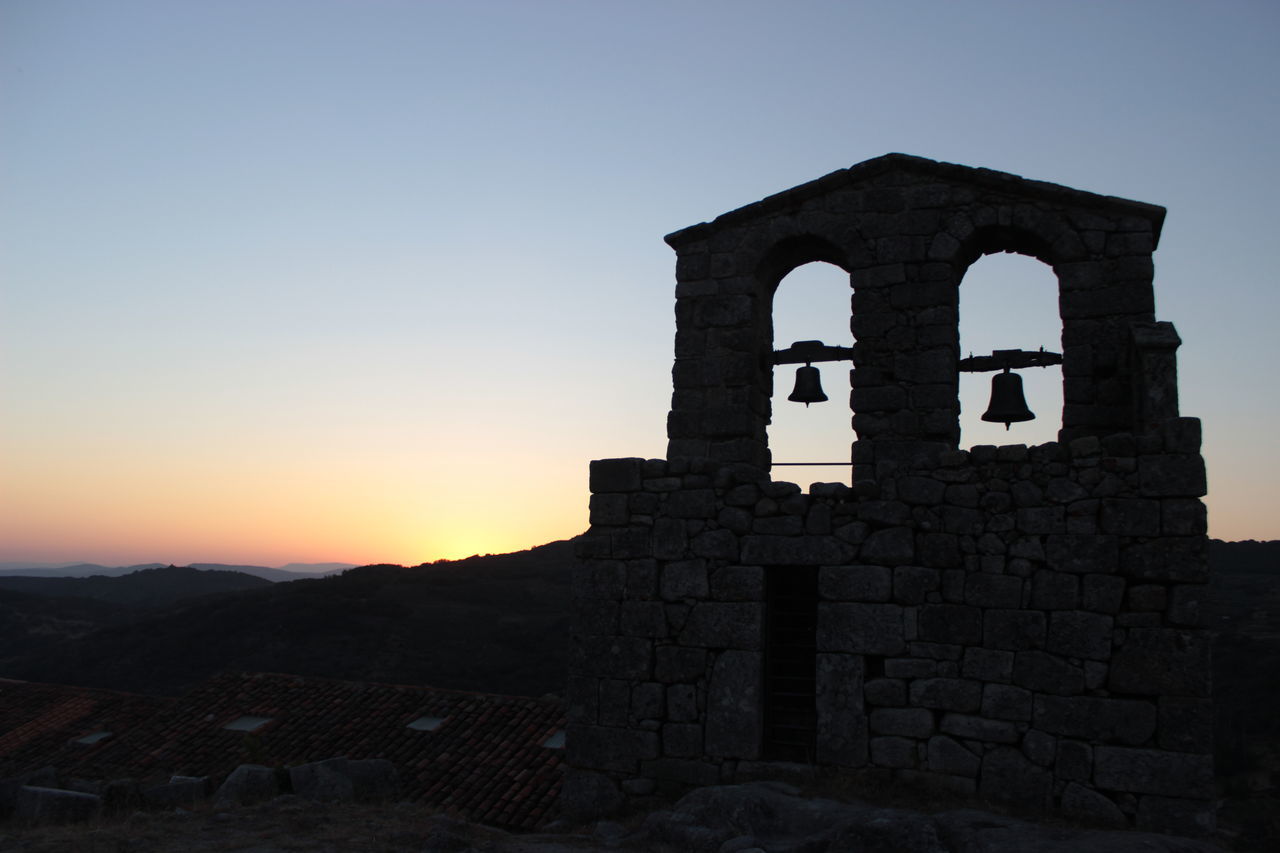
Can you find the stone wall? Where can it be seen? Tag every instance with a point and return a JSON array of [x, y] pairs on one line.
[[1022, 624]]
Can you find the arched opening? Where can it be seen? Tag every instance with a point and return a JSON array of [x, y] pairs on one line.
[[812, 303], [1010, 301]]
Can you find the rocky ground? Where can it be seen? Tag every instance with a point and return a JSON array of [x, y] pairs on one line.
[[755, 818]]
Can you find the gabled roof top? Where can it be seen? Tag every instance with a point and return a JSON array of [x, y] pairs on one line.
[[950, 172], [43, 724], [485, 761]]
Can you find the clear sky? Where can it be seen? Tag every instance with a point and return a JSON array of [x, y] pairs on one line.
[[373, 280]]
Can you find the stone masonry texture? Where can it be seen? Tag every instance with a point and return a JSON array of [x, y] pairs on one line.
[[1006, 621]]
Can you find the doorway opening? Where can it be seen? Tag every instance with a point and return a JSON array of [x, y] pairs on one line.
[[790, 664]]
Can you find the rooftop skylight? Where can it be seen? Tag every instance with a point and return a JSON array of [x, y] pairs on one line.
[[555, 740], [90, 739], [247, 723], [426, 724]]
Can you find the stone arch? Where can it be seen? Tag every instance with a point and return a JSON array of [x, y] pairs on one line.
[[905, 229]]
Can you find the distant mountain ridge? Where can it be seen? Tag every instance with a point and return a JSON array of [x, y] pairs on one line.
[[290, 572], [147, 588]]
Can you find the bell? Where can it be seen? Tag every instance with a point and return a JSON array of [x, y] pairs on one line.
[[808, 386], [1008, 405]]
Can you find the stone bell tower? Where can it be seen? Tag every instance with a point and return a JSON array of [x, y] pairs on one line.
[[1022, 623]]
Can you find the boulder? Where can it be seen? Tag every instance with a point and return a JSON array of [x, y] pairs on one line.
[[34, 804], [247, 784], [180, 792], [324, 781]]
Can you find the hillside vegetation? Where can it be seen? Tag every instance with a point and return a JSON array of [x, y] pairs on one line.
[[494, 624]]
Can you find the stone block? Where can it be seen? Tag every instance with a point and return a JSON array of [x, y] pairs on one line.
[[1130, 517], [1091, 807], [894, 546], [924, 491], [1096, 718], [1172, 476], [842, 723], [950, 623], [1149, 771], [1148, 597], [1162, 661], [600, 580], [641, 579], [947, 756], [1083, 553], [615, 701], [733, 706], [970, 727], [1008, 776], [612, 657], [684, 579], [855, 583], [887, 691], [724, 625], [615, 475], [692, 503], [1176, 559], [1046, 673], [682, 771], [609, 509], [1182, 517], [737, 583], [898, 668], [987, 590], [937, 550], [1037, 521], [1039, 747], [682, 703], [870, 629], [907, 722], [795, 550], [912, 583], [642, 619], [1055, 590], [1074, 761], [948, 694], [631, 544], [648, 701], [595, 617], [1102, 593], [1013, 630], [717, 544], [677, 664], [987, 664], [1006, 702], [898, 752], [609, 748], [1079, 634], [778, 525], [681, 740]]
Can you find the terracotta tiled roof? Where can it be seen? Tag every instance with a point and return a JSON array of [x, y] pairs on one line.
[[40, 723], [485, 761]]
